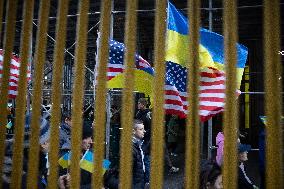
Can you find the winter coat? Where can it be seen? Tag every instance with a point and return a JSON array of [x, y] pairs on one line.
[[243, 182], [145, 117], [173, 130], [138, 171], [7, 166], [65, 136], [220, 150]]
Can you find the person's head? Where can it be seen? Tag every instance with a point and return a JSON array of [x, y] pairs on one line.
[[87, 135], [211, 177], [138, 129], [243, 152], [67, 120], [142, 103]]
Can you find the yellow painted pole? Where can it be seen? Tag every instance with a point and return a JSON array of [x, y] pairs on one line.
[[247, 98]]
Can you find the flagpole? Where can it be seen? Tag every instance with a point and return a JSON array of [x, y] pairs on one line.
[[109, 95], [29, 68], [209, 148]]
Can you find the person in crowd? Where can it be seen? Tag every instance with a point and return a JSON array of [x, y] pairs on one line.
[[172, 134], [244, 182], [169, 162], [65, 133], [261, 155], [210, 176], [10, 120], [220, 148], [138, 170], [86, 144], [43, 155], [144, 114]]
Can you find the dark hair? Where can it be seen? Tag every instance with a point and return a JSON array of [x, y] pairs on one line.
[[143, 101], [209, 173], [66, 116]]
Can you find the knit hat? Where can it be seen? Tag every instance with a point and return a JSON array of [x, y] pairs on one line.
[[244, 148], [44, 128]]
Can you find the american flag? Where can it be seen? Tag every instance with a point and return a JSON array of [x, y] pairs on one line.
[[14, 74], [212, 84], [211, 91], [116, 56]]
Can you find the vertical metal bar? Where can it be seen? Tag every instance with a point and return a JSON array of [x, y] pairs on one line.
[[108, 101], [57, 91], [1, 17], [127, 96], [36, 98], [210, 15], [273, 98], [209, 145], [157, 156], [21, 98], [111, 19], [247, 98], [108, 107], [210, 125], [192, 127], [78, 92], [8, 48], [100, 95], [230, 114]]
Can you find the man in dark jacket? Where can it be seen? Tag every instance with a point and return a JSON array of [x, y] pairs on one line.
[[144, 114], [138, 170]]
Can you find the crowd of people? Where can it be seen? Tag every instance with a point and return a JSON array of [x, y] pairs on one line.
[[210, 173]]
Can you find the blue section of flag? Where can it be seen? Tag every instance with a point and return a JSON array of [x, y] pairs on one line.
[[212, 41], [176, 75], [116, 56]]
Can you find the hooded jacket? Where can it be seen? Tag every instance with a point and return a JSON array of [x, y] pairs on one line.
[[220, 150]]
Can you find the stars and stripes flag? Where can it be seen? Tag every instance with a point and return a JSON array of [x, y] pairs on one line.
[[211, 91], [14, 74], [116, 55], [212, 84]]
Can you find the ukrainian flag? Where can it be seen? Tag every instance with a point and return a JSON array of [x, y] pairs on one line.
[[264, 121], [211, 48], [64, 161], [87, 162]]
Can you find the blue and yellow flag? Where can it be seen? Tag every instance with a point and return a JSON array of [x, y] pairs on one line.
[[264, 121], [211, 48], [86, 162], [64, 161]]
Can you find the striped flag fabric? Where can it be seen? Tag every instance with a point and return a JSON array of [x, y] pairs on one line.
[[212, 84], [14, 74], [116, 56], [211, 62], [211, 91]]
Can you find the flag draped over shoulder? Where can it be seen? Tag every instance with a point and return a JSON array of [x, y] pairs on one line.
[[144, 73], [14, 74], [212, 75]]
